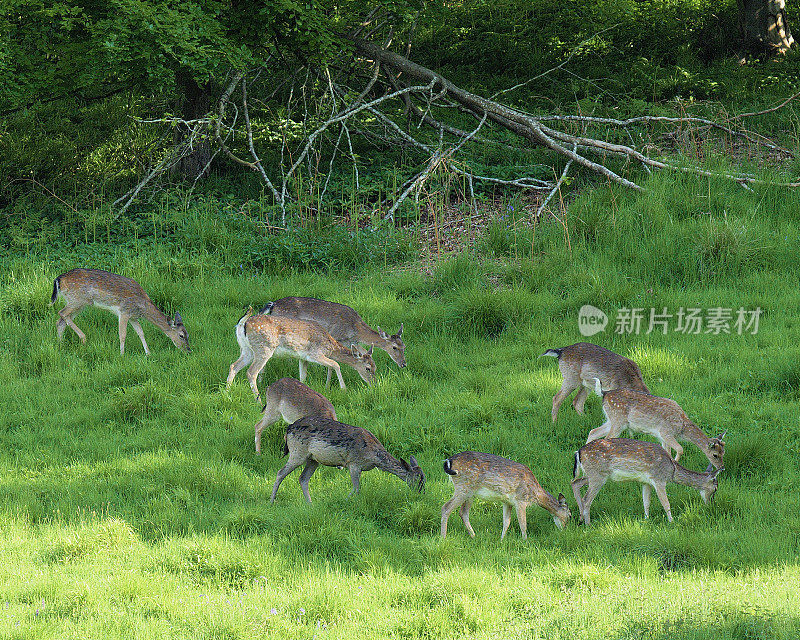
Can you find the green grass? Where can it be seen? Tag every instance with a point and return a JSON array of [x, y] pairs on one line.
[[133, 505]]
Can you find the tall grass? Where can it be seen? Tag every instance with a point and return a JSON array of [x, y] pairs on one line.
[[133, 504]]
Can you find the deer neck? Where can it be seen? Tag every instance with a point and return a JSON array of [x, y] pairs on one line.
[[545, 499], [688, 478], [152, 313], [695, 435], [385, 461], [342, 354]]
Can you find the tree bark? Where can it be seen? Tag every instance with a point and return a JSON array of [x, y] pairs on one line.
[[763, 24], [194, 101]]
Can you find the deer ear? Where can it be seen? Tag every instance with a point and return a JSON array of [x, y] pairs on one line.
[[371, 348], [400, 333], [413, 462], [178, 319], [720, 437], [382, 334], [562, 500], [405, 464], [716, 473], [356, 350]]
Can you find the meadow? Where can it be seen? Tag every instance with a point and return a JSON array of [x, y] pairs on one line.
[[134, 506]]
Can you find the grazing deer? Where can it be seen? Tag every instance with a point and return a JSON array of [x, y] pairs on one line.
[[491, 477], [659, 417], [315, 440], [118, 294], [291, 400], [342, 322], [620, 459], [581, 363], [261, 336]]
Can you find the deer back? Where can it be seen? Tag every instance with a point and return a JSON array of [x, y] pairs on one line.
[[592, 361], [294, 400], [289, 336], [622, 459]]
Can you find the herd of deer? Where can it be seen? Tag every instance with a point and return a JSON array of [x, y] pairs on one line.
[[332, 334]]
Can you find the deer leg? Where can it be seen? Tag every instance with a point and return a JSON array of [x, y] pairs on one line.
[[138, 329], [355, 478], [577, 485], [66, 319], [328, 379], [600, 432], [522, 519], [647, 491], [328, 362], [259, 361], [123, 331], [305, 476], [464, 513], [506, 519], [579, 399], [270, 416], [303, 370], [456, 501], [245, 358], [671, 444], [661, 492], [567, 387], [591, 494], [291, 464]]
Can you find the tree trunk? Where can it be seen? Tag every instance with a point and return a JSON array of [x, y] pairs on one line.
[[763, 23], [194, 101]]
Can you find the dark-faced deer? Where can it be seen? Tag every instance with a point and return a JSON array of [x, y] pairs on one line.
[[620, 460], [314, 441], [659, 417], [490, 477], [290, 399], [342, 322], [581, 363], [122, 296], [261, 336]]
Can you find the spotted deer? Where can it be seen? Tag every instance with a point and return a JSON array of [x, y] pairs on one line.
[[315, 440], [487, 476], [659, 417], [261, 336], [620, 459], [291, 400], [581, 363], [118, 294], [342, 322]]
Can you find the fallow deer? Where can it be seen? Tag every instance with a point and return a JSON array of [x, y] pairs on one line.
[[659, 417], [118, 294], [581, 363], [291, 400], [342, 322], [261, 336], [620, 459], [491, 477], [314, 441]]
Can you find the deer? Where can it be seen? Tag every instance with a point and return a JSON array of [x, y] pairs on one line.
[[621, 459], [487, 476], [316, 440], [659, 417], [119, 295], [261, 336], [342, 322], [582, 362], [291, 400]]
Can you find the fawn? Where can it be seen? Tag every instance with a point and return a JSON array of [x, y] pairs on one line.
[[491, 477], [581, 363], [118, 294], [342, 322], [315, 440], [262, 336], [291, 400], [659, 417], [621, 459]]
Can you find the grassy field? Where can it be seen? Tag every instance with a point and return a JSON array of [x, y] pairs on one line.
[[133, 505]]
